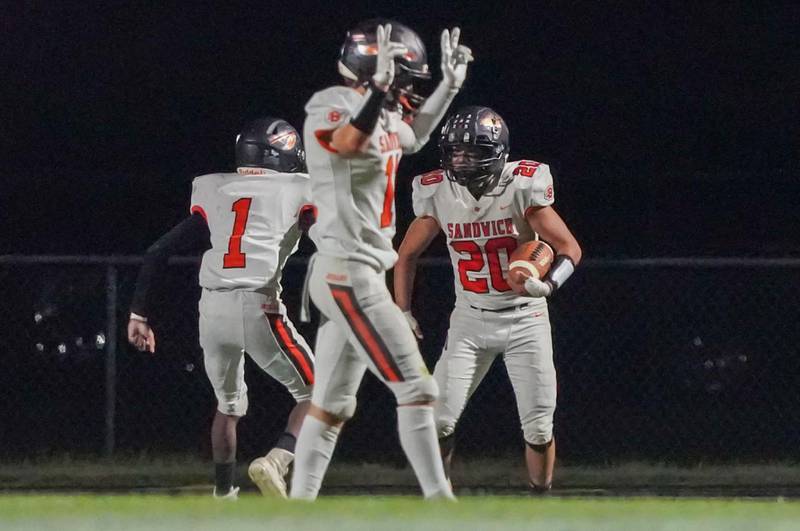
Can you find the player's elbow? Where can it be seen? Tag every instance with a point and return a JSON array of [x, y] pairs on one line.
[[155, 251], [574, 251], [348, 141], [406, 260], [346, 149], [411, 249], [158, 253]]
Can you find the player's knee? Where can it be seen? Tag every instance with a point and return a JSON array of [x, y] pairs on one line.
[[445, 419], [538, 432], [537, 422], [421, 390], [445, 427], [301, 393], [341, 407], [540, 448], [233, 404]]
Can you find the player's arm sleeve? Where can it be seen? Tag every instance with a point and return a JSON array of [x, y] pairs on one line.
[[537, 189], [326, 112], [304, 209], [429, 116], [306, 217], [189, 234], [423, 189]]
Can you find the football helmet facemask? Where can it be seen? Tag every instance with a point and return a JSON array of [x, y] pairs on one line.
[[357, 62], [474, 146]]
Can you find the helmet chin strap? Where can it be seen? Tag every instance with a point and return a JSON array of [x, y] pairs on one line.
[[346, 72]]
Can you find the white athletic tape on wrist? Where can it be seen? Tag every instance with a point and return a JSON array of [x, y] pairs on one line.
[[562, 269]]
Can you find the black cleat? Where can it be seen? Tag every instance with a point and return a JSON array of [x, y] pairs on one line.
[[539, 490]]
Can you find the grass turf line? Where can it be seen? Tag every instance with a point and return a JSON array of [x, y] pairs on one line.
[[198, 513], [181, 471]]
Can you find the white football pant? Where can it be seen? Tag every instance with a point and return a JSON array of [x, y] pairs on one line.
[[474, 340], [233, 323]]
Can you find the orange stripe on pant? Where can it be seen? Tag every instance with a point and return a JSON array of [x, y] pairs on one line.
[[296, 354], [365, 333]]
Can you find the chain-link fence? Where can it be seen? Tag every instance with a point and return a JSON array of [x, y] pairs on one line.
[[675, 360]]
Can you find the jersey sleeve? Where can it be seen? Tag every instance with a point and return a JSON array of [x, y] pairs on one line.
[[200, 193], [328, 110], [408, 139], [534, 183], [302, 198], [423, 191], [305, 194]]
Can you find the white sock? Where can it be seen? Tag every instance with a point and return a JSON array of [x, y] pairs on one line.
[[315, 444], [418, 439]]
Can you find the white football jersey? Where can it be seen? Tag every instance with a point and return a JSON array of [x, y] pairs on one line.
[[252, 219], [482, 234], [354, 195]]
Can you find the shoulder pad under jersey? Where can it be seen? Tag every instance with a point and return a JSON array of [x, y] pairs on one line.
[[208, 180], [526, 172], [425, 185], [294, 176], [338, 97]]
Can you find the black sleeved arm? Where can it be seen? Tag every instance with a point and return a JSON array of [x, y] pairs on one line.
[[370, 109], [189, 234]]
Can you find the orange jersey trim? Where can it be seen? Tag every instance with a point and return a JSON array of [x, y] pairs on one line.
[[197, 209], [325, 137]]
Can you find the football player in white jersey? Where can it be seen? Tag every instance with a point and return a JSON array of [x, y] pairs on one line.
[[250, 222], [355, 135], [486, 207]]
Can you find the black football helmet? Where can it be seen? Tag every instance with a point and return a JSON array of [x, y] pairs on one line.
[[474, 148], [270, 143], [357, 62]]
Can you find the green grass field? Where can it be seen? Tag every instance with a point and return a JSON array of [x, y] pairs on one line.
[[251, 512]]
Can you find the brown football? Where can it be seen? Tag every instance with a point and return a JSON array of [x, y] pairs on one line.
[[529, 259]]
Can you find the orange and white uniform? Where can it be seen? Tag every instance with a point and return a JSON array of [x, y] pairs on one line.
[[362, 327], [253, 224], [489, 318]]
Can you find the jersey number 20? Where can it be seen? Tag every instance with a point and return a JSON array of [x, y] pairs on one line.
[[235, 258], [478, 257]]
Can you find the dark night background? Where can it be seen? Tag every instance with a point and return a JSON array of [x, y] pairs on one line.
[[671, 127]]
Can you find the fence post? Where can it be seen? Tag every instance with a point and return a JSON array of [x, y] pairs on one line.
[[111, 359]]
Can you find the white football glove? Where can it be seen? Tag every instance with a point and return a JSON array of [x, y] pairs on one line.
[[536, 288], [387, 52], [413, 324], [454, 58]]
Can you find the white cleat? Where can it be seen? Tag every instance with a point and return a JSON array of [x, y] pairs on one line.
[[231, 495], [443, 494], [268, 472]]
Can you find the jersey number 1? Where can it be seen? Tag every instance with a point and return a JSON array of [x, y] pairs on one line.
[[388, 199], [235, 258]]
